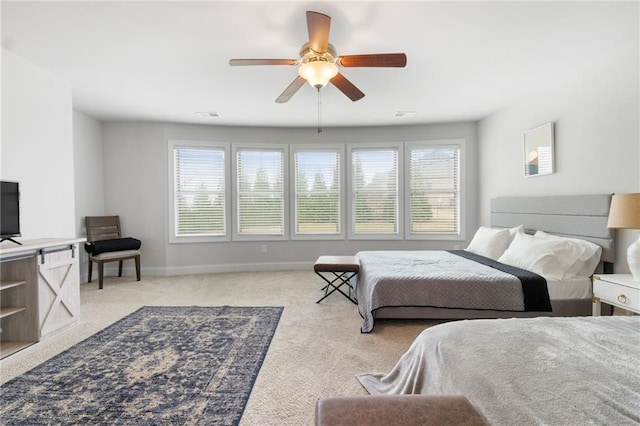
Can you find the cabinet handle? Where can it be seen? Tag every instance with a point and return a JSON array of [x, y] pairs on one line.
[[623, 299], [43, 252]]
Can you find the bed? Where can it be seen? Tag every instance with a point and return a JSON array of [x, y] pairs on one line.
[[435, 284], [555, 371]]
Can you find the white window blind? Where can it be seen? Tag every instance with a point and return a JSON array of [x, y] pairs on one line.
[[260, 192], [199, 184], [374, 191], [434, 189], [317, 192]]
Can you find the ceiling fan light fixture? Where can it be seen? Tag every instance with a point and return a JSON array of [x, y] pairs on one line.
[[318, 62], [318, 72]]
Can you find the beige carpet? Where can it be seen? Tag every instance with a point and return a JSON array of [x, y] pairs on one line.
[[316, 351]]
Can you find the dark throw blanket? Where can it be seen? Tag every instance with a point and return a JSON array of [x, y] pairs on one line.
[[534, 286]]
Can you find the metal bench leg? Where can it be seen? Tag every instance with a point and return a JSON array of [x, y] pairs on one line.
[[342, 278]]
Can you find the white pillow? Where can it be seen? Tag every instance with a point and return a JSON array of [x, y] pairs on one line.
[[512, 231], [548, 257], [489, 242], [588, 259]]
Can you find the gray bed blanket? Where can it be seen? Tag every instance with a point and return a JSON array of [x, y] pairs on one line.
[[552, 371], [431, 278]]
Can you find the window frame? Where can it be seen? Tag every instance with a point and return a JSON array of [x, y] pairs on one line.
[[377, 146], [284, 149], [347, 215], [338, 148], [173, 145], [437, 236]]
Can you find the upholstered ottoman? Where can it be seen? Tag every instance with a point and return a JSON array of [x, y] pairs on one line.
[[397, 410], [342, 268]]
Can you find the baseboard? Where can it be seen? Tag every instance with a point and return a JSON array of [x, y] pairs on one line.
[[204, 269]]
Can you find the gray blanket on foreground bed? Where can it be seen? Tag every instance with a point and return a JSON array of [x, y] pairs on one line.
[[431, 278], [553, 371]]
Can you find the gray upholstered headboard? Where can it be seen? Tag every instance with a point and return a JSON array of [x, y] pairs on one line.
[[578, 216]]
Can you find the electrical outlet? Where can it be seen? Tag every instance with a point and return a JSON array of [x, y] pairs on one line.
[[263, 249]]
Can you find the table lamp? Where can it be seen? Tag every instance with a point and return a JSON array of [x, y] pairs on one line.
[[625, 214]]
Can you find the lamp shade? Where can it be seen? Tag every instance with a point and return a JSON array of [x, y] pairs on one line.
[[318, 73], [625, 211]]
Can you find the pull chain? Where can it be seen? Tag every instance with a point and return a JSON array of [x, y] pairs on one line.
[[319, 112]]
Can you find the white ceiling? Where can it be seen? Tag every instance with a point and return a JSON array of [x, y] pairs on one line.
[[165, 61]]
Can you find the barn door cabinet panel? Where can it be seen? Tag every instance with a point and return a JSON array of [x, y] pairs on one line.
[[39, 291], [58, 290]]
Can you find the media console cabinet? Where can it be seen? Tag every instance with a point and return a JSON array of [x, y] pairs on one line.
[[39, 290]]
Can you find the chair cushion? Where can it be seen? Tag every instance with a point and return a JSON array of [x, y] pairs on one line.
[[116, 244], [114, 255]]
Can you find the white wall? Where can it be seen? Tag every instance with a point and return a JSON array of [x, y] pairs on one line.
[[136, 180], [37, 146], [88, 162], [89, 171], [597, 139], [135, 185]]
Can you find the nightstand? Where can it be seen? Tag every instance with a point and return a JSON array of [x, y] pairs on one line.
[[618, 290]]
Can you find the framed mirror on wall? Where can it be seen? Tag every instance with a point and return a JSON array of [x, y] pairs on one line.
[[539, 151]]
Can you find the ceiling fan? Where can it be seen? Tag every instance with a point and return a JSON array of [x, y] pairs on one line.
[[318, 62]]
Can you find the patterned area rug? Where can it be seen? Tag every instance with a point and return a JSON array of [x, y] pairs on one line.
[[158, 365]]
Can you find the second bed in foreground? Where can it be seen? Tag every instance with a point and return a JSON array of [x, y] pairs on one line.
[[556, 371]]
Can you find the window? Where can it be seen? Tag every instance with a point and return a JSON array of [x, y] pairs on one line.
[[260, 189], [317, 192], [199, 187], [375, 192], [434, 189]]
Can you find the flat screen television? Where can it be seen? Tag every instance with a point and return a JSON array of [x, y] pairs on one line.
[[9, 211]]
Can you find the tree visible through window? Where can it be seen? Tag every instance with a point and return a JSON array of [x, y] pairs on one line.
[[199, 192], [317, 192], [434, 189], [375, 191], [260, 192]]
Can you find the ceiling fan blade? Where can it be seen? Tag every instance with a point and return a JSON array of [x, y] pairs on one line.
[[374, 60], [291, 90], [244, 62], [347, 87], [318, 25]]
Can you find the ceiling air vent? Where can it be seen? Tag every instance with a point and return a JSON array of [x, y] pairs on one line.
[[209, 114], [405, 114]]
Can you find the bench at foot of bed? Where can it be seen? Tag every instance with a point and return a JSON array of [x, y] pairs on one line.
[[406, 410], [342, 268]]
